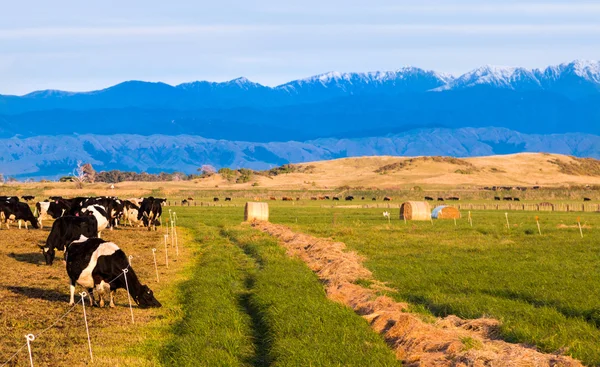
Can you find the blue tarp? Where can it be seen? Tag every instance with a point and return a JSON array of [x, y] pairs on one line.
[[436, 211]]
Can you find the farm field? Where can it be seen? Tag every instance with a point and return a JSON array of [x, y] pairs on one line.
[[543, 289], [232, 298]]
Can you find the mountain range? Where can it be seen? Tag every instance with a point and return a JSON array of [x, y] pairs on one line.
[[407, 111]]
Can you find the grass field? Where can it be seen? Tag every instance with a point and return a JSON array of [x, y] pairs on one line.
[[544, 289], [234, 298]]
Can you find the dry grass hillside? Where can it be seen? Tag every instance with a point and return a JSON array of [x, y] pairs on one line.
[[527, 169]]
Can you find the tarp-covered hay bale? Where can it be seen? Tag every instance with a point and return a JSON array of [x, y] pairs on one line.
[[445, 212], [256, 211], [415, 210]]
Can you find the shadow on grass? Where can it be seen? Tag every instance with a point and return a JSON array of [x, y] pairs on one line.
[[39, 293], [35, 258]]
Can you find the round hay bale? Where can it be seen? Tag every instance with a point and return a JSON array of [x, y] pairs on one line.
[[256, 211], [445, 212], [415, 210]]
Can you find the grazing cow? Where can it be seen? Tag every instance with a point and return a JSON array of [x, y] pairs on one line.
[[336, 198], [150, 212], [66, 230], [349, 198], [55, 197], [440, 199], [428, 198], [100, 214], [19, 211], [508, 198], [227, 199], [184, 201], [190, 198], [362, 198], [374, 199], [387, 198], [272, 198], [516, 199], [27, 197], [497, 198], [215, 199], [327, 197], [94, 262], [50, 209], [453, 198], [297, 199], [587, 199], [130, 214], [287, 198], [313, 198], [536, 187]]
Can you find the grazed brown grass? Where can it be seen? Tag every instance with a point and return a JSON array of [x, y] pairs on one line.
[[34, 295], [450, 341]]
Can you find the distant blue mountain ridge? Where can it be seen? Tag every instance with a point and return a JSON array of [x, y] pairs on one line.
[[558, 99], [155, 126]]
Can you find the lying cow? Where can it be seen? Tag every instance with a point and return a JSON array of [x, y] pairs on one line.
[[66, 230], [94, 262]]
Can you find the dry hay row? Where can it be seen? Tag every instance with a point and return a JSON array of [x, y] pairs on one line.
[[415, 342]]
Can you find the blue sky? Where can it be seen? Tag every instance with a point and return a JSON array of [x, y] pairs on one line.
[[85, 45]]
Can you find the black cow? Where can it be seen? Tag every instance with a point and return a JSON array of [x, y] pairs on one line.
[[362, 198], [336, 198], [19, 211], [27, 197], [349, 198], [516, 199], [387, 198], [94, 262], [453, 198], [440, 199], [508, 198], [587, 199], [327, 197], [428, 198], [374, 199], [215, 199], [184, 201], [227, 199], [66, 230], [150, 212], [497, 198]]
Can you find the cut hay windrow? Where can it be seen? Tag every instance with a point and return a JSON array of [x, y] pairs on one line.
[[450, 341]]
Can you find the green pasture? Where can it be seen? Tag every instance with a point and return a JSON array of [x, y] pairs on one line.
[[545, 289]]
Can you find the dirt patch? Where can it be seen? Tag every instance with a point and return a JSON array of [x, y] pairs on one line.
[[564, 226], [450, 341], [34, 295]]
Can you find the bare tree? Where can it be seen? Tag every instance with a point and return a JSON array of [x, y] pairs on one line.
[[79, 175], [89, 173]]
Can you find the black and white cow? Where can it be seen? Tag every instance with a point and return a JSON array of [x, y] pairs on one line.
[[11, 210], [66, 230], [150, 212], [51, 209], [100, 214], [27, 197], [94, 262], [130, 214]]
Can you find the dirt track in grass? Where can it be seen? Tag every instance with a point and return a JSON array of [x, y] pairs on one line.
[[449, 341]]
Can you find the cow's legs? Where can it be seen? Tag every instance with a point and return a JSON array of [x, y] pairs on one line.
[[26, 227], [72, 288], [112, 298], [19, 224], [91, 294]]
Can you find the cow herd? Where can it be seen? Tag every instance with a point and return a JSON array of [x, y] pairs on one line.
[[98, 265]]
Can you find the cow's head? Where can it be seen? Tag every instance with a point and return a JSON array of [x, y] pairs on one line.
[[145, 298], [49, 254]]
